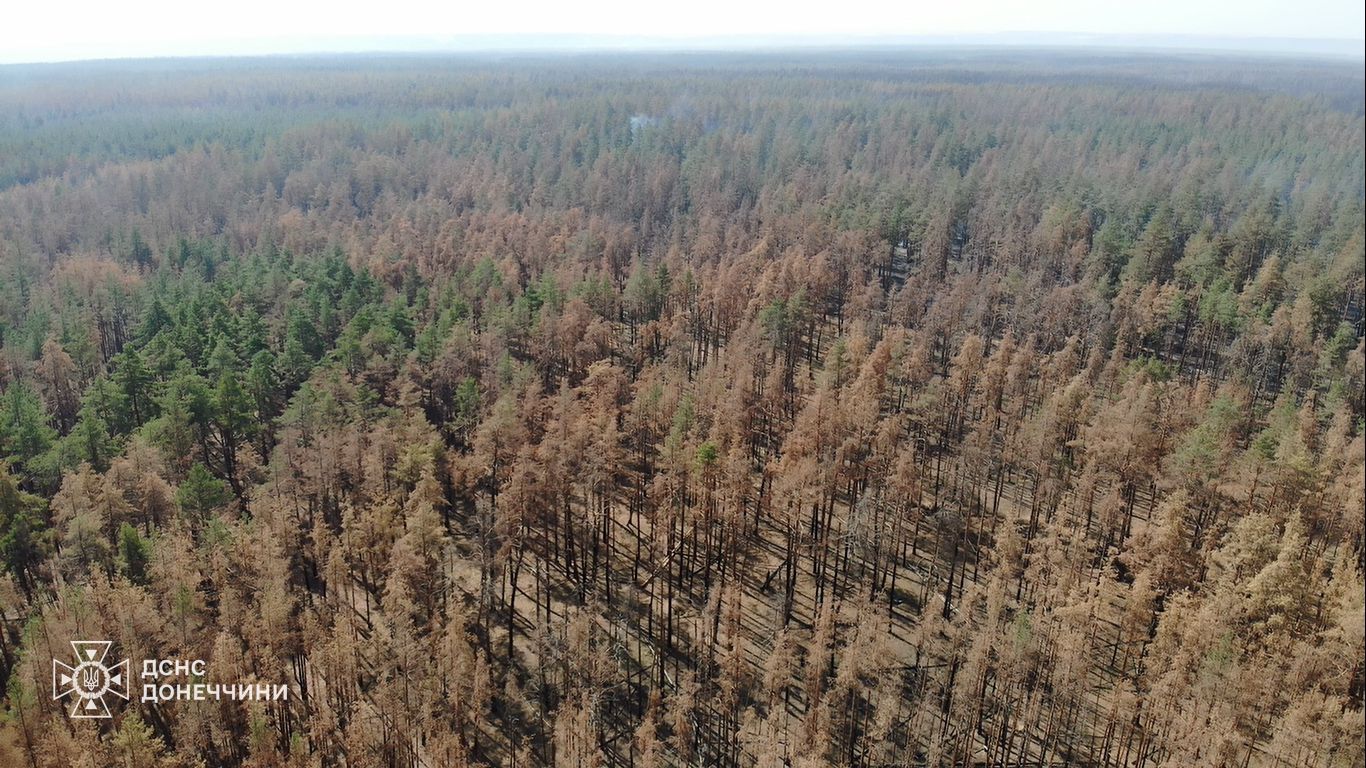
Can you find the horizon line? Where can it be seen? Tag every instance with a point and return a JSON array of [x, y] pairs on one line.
[[1332, 48]]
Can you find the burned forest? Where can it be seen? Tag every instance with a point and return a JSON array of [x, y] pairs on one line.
[[864, 409]]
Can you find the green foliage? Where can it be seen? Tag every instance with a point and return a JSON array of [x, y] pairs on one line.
[[89, 441], [201, 493], [1110, 253], [1152, 254], [1152, 368], [1219, 306], [465, 406], [1202, 453], [24, 431], [707, 454], [134, 554], [646, 291], [1201, 262], [684, 416], [23, 534], [135, 404], [264, 387], [156, 320], [233, 408], [135, 743]]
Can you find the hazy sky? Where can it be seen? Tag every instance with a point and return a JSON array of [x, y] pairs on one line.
[[51, 30]]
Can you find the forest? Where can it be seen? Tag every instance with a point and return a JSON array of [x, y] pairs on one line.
[[867, 409]]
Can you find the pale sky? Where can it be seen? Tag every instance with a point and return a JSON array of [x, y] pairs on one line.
[[55, 30]]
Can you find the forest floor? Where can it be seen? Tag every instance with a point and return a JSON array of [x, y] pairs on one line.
[[916, 589]]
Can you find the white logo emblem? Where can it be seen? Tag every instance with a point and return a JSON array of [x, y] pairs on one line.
[[90, 679]]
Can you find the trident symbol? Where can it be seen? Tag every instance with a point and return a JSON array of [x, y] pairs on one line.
[[90, 678], [89, 681]]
